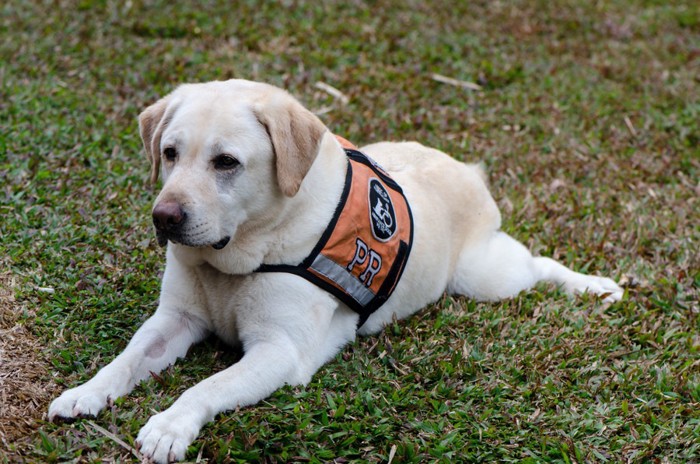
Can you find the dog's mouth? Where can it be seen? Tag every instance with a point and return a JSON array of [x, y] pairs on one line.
[[164, 238], [221, 243]]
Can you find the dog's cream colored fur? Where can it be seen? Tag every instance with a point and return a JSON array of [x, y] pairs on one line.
[[272, 208]]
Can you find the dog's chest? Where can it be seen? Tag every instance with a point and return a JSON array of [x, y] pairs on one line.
[[222, 296]]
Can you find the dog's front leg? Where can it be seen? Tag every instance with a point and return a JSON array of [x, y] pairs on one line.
[[288, 329], [157, 344], [265, 367]]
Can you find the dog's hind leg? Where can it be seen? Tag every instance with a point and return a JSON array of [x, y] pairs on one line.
[[501, 267]]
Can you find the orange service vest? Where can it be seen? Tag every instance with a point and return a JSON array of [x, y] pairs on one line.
[[363, 251]]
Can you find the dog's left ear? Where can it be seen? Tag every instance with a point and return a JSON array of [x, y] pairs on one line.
[[296, 135], [151, 125]]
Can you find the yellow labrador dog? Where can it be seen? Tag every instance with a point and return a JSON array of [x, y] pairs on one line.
[[252, 182]]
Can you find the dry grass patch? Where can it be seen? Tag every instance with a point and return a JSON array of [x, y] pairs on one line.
[[24, 389]]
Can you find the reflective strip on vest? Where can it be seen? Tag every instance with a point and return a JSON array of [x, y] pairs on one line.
[[340, 275]]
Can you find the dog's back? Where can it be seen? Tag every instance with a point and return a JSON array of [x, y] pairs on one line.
[[452, 209]]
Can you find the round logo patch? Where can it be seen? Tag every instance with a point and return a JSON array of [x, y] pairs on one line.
[[381, 211]]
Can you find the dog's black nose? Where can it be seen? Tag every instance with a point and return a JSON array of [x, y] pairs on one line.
[[167, 216]]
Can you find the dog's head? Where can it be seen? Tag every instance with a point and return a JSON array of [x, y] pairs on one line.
[[229, 152]]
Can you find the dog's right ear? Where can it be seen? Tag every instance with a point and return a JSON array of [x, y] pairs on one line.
[[295, 134], [151, 125]]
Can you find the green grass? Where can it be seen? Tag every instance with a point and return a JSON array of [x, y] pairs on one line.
[[588, 122]]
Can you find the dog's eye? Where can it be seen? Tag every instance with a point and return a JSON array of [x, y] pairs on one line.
[[170, 153], [225, 162]]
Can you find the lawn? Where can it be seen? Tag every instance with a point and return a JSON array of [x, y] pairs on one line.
[[586, 116]]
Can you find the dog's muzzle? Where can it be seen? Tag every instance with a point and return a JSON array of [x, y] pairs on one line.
[[169, 219]]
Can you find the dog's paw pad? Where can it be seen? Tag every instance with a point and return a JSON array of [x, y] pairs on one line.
[[604, 287], [76, 403], [165, 439]]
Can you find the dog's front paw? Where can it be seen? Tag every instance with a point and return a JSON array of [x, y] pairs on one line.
[[166, 436], [82, 401]]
